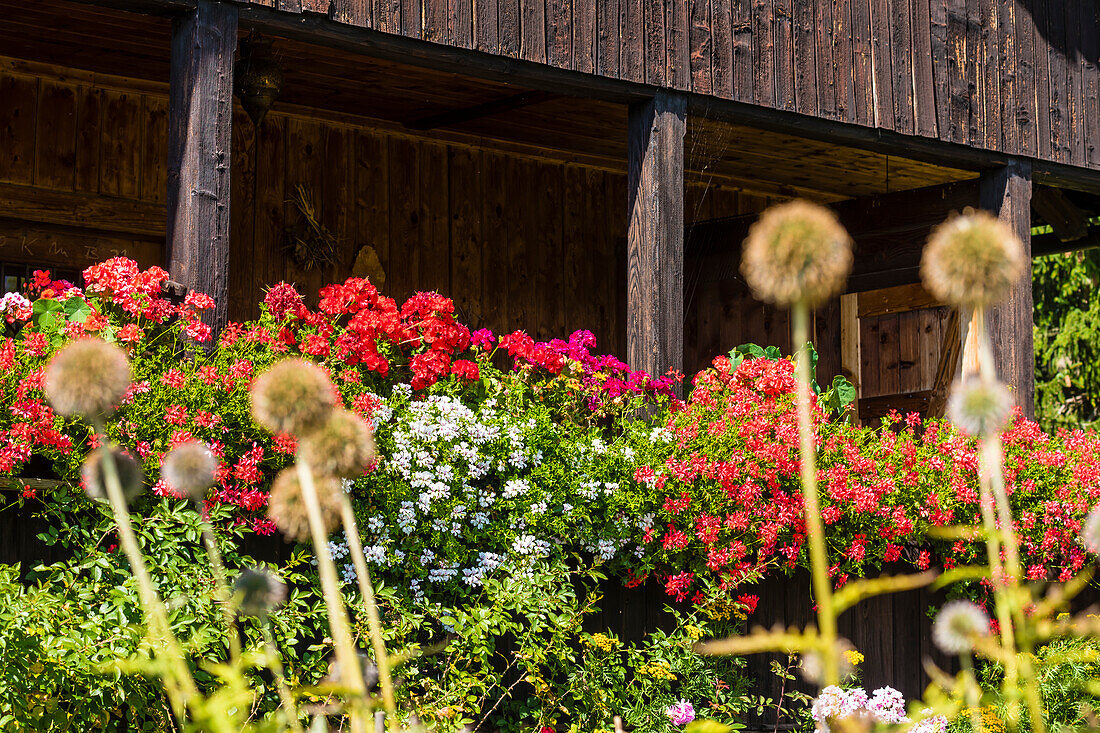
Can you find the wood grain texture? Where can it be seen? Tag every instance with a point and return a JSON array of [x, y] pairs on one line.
[[199, 141], [655, 244], [1007, 193]]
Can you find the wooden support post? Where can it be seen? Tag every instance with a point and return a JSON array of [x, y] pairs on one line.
[[655, 238], [200, 110], [1007, 193]]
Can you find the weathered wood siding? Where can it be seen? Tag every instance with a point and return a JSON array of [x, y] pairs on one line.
[[518, 240], [1019, 76]]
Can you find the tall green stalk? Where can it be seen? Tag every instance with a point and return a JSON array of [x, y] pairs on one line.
[[351, 673], [179, 684], [374, 622], [275, 661], [815, 527], [221, 584]]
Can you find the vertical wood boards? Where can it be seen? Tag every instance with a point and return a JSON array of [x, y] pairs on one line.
[[654, 43], [1075, 85], [632, 58], [1026, 68], [499, 240], [862, 67], [991, 77], [1056, 77], [508, 27], [88, 130], [958, 102], [19, 111], [533, 30], [585, 24], [763, 53], [404, 218], [722, 40], [701, 38], [924, 84], [199, 139], [783, 30], [655, 244], [1007, 193], [1042, 73], [579, 222], [465, 177], [882, 81], [1007, 72], [807, 86], [743, 29], [154, 149], [547, 250], [559, 34], [825, 61], [120, 156], [1090, 42], [269, 256], [305, 166], [55, 138], [678, 44], [941, 66], [607, 38], [973, 72], [372, 198], [244, 294], [486, 33], [901, 59], [843, 58]]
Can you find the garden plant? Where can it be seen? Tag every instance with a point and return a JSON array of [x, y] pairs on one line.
[[457, 505]]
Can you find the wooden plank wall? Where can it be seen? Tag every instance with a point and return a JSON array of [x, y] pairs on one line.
[[82, 177], [518, 241], [1019, 76]]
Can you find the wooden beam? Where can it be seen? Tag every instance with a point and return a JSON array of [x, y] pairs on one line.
[[200, 115], [466, 114], [1007, 193], [655, 236], [1050, 244], [1064, 217], [96, 212]]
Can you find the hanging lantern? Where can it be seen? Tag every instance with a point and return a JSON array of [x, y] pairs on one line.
[[257, 77]]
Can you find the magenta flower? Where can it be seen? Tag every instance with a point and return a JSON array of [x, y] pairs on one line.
[[681, 713]]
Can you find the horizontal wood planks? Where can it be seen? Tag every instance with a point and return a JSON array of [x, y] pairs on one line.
[[1019, 77]]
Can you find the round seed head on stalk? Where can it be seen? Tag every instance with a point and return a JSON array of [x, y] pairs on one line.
[[87, 378], [287, 508], [130, 476], [368, 668], [343, 446], [258, 592], [797, 252], [957, 625], [972, 260], [979, 406], [813, 663], [189, 469], [293, 396], [1090, 531]]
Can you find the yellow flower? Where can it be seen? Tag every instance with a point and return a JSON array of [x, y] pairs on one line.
[[657, 670], [603, 642], [853, 657]]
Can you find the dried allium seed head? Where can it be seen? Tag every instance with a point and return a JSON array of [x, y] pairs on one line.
[[797, 252], [972, 260], [367, 667], [189, 469], [258, 592], [342, 447], [1090, 531], [287, 508], [130, 476], [813, 663], [294, 396], [980, 407], [957, 625], [87, 378]]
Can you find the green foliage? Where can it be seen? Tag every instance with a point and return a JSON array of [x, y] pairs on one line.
[[1067, 339], [834, 398]]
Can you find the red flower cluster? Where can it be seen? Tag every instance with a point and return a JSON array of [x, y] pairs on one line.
[[729, 494]]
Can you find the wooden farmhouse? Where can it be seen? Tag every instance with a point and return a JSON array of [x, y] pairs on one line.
[[557, 164]]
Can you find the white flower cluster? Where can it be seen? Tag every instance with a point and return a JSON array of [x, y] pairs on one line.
[[12, 302], [885, 705]]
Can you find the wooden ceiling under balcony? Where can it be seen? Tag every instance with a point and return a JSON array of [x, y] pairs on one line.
[[326, 82]]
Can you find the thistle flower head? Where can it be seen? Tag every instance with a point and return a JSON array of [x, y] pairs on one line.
[[367, 669], [287, 508], [87, 378], [130, 476], [956, 626], [1090, 531], [980, 407], [258, 592], [797, 252], [341, 447], [293, 396], [813, 662], [972, 260], [189, 469]]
